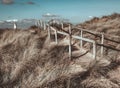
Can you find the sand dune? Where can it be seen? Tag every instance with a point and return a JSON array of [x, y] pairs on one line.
[[29, 60]]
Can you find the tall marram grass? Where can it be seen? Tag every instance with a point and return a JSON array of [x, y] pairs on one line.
[[29, 60]]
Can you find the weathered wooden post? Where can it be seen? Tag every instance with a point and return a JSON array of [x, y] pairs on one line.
[[70, 50], [41, 23], [44, 25], [102, 42], [81, 41], [94, 50], [62, 25], [56, 37], [49, 33], [37, 23]]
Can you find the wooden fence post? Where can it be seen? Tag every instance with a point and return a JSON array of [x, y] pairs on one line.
[[70, 50], [94, 50], [38, 22], [44, 25], [49, 33], [62, 25], [41, 22], [81, 41], [56, 37], [102, 42]]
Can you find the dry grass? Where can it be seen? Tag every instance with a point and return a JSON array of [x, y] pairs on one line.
[[29, 60], [107, 24], [110, 26]]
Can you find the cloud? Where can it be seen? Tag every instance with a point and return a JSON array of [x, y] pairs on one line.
[[90, 16], [27, 3], [7, 2], [31, 3]]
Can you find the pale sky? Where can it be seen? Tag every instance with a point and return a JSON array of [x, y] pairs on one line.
[[75, 10]]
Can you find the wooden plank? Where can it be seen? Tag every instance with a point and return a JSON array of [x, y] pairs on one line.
[[63, 33], [84, 39]]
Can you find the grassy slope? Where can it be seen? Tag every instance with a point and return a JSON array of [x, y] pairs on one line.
[[29, 60], [110, 26], [107, 24]]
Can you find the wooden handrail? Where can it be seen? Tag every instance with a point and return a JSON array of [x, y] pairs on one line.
[[80, 38], [91, 31], [73, 36], [109, 47], [98, 34]]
